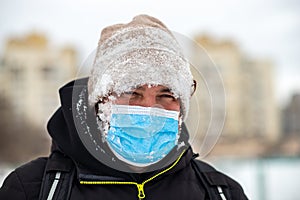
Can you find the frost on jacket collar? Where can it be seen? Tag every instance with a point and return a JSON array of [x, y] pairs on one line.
[[63, 132]]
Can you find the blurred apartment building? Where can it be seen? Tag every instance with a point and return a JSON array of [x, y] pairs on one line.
[[251, 110], [31, 71], [290, 141], [291, 117]]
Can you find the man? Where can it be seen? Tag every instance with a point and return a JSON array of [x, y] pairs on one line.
[[120, 134]]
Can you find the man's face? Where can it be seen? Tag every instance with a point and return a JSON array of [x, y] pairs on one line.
[[154, 96]]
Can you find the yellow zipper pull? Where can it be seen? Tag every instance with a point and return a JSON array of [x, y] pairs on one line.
[[141, 194]]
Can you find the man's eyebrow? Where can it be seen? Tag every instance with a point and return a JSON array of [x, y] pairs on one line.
[[165, 90], [139, 88]]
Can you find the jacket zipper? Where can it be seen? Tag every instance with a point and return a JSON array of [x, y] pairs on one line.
[[140, 186]]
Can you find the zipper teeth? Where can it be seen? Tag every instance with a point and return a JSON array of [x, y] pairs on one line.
[[164, 171], [140, 186], [108, 182]]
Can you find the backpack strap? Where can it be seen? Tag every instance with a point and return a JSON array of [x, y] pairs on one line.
[[214, 184], [58, 178]]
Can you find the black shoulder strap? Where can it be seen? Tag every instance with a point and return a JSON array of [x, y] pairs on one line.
[[58, 178], [213, 183]]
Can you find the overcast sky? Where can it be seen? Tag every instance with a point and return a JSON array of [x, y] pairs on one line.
[[265, 29]]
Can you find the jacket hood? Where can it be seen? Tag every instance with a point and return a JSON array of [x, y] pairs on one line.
[[74, 132]]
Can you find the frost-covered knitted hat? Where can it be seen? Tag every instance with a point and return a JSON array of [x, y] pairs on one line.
[[141, 52]]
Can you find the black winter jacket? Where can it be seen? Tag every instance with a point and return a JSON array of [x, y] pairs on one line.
[[94, 180]]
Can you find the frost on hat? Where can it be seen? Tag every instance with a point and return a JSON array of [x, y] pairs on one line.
[[141, 52]]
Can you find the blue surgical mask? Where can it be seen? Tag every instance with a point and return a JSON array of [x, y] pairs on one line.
[[142, 136]]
